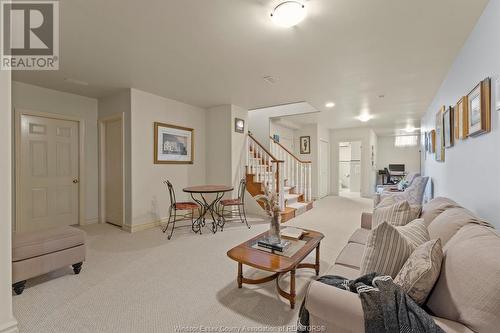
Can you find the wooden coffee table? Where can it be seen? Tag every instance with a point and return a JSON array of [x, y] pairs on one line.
[[245, 254]]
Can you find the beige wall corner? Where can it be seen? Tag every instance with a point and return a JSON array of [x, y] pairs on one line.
[[7, 321]]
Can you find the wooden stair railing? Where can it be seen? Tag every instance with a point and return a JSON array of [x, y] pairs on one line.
[[297, 172], [266, 168]]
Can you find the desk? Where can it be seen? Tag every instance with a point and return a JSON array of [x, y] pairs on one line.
[[206, 206]]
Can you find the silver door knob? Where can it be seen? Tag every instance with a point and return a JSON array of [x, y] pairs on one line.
[[75, 181]]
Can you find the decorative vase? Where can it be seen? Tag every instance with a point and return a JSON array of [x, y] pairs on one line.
[[274, 229]]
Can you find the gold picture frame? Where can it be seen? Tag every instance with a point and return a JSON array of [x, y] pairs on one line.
[[479, 108], [461, 119], [432, 141], [173, 144]]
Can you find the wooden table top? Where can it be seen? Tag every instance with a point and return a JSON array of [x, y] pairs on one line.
[[208, 189], [246, 254]]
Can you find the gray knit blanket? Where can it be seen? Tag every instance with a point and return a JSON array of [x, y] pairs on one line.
[[386, 308]]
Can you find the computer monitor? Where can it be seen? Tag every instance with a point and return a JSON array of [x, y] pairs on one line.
[[397, 167]]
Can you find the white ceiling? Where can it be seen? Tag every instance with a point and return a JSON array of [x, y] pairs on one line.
[[212, 52]]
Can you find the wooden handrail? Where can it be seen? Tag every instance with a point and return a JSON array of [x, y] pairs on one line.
[[289, 152], [274, 159]]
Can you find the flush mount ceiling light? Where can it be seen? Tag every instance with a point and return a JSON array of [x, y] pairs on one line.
[[288, 13], [364, 117], [330, 105], [410, 129]]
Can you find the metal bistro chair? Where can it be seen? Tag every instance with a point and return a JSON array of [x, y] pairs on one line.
[[175, 206], [238, 202]]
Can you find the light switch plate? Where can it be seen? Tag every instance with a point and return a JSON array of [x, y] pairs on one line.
[[497, 93]]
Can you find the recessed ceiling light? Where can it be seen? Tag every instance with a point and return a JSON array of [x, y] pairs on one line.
[[330, 105], [288, 13], [364, 117], [410, 129]]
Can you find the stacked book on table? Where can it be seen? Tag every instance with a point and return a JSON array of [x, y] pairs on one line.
[[293, 233]]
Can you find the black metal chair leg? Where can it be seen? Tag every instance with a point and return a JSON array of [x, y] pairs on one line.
[[245, 216], [173, 224], [168, 223]]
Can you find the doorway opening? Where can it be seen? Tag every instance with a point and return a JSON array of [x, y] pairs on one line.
[[350, 168], [111, 169]]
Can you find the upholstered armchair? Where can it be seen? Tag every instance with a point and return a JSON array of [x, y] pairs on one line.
[[414, 193]]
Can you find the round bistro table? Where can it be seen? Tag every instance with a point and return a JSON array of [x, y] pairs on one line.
[[208, 206]]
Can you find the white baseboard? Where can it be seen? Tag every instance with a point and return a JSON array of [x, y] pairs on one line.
[[91, 221], [9, 327], [140, 227]]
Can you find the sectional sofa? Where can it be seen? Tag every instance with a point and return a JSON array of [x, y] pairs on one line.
[[466, 296]]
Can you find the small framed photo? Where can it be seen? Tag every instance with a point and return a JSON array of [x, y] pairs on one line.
[[173, 144], [461, 130], [239, 125], [448, 126], [479, 108], [440, 135], [305, 144]]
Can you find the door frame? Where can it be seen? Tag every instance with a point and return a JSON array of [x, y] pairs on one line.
[[101, 125], [327, 158], [19, 112]]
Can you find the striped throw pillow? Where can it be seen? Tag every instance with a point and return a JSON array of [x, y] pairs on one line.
[[397, 213], [388, 247]]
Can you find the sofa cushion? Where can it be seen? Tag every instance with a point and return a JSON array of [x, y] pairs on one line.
[[450, 326], [397, 213], [36, 243], [360, 236], [435, 207], [388, 247], [421, 270], [468, 290], [351, 255], [343, 271], [446, 224]]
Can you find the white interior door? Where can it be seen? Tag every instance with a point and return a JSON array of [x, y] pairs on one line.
[[324, 167], [49, 173], [114, 172]]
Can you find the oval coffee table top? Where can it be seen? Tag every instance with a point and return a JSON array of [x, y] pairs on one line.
[[208, 189]]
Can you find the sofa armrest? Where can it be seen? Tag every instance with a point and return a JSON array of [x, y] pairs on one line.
[[366, 220], [339, 307]]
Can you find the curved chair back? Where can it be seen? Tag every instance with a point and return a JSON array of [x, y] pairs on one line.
[[171, 192], [241, 190]]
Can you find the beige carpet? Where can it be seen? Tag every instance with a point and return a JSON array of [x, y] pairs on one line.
[[144, 283]]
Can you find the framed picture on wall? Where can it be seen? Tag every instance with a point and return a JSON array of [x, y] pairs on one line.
[[440, 135], [173, 144], [305, 144], [432, 141], [239, 125], [479, 108], [448, 126], [461, 128]]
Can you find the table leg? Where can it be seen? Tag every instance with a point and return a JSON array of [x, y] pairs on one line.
[[292, 288], [240, 275], [317, 260]]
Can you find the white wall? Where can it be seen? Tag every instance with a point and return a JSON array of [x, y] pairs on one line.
[[368, 139], [150, 199], [286, 135], [389, 154], [219, 163], [7, 321], [238, 146], [259, 119], [30, 97], [120, 103], [470, 173]]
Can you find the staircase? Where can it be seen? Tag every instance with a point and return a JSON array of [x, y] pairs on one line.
[[281, 171]]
